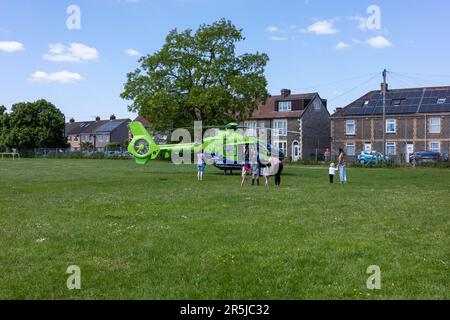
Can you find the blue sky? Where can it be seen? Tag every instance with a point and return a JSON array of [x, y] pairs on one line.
[[313, 45]]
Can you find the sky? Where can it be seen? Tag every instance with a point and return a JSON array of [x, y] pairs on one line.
[[337, 48]]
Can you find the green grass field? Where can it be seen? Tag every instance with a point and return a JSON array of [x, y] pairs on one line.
[[154, 232]]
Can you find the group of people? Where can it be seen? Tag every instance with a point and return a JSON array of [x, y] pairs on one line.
[[341, 166], [254, 169]]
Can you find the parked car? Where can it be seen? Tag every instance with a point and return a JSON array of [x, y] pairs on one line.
[[372, 158], [427, 157]]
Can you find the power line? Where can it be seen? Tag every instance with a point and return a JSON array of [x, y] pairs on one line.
[[339, 81], [354, 88]]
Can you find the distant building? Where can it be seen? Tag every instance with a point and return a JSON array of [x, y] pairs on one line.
[[299, 123], [99, 133], [417, 119]]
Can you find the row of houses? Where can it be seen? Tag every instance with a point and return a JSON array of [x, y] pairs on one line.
[[414, 119]]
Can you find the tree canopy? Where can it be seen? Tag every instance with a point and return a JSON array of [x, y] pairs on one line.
[[198, 76], [32, 125]]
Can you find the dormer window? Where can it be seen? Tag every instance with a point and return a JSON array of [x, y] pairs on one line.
[[397, 102], [285, 106], [441, 100]]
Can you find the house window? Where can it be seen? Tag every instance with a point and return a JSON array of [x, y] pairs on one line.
[[366, 103], [435, 146], [69, 138], [441, 100], [282, 146], [106, 138], [391, 126], [251, 125], [280, 127], [390, 148], [350, 127], [317, 105], [350, 149], [435, 125], [285, 106], [397, 102]]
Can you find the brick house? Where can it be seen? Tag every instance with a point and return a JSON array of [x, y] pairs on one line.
[[299, 123], [99, 133], [417, 119]]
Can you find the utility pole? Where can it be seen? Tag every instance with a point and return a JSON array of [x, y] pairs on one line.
[[384, 111]]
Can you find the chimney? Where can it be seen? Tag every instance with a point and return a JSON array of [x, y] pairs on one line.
[[113, 117], [72, 120], [97, 118], [382, 87], [285, 93]]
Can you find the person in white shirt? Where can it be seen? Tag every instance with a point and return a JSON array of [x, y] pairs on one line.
[[332, 172], [200, 166]]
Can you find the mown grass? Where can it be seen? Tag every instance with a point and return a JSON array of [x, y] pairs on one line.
[[154, 232]]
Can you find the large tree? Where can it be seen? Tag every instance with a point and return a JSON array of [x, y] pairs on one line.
[[3, 128], [35, 125], [198, 76]]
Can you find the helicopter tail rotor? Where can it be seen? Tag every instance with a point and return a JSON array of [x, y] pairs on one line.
[[142, 146]]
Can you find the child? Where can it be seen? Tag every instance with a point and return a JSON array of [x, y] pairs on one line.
[[255, 170], [246, 171], [266, 174], [200, 166], [332, 172]]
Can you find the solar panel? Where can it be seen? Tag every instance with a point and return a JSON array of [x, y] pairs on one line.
[[108, 127], [354, 111]]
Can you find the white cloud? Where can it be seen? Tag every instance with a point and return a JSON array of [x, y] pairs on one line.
[[11, 46], [275, 38], [342, 46], [76, 52], [322, 28], [61, 76], [379, 42], [132, 53], [273, 29]]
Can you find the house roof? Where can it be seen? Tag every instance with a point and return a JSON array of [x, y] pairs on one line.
[[91, 127], [142, 120], [268, 110], [400, 101]]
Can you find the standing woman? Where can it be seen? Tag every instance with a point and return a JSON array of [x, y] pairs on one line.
[[277, 166], [342, 163]]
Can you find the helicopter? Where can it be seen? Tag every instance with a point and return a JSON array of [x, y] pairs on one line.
[[228, 149]]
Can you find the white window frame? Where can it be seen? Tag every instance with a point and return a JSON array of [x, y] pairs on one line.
[[280, 130], [350, 145], [391, 145], [438, 149], [441, 100], [347, 123], [284, 106], [284, 143], [251, 125], [388, 121], [434, 126]]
